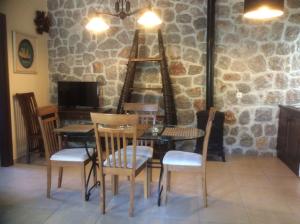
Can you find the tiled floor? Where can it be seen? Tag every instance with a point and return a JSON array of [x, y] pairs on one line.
[[243, 190]]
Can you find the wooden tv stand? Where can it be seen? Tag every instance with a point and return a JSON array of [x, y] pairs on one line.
[[80, 113]]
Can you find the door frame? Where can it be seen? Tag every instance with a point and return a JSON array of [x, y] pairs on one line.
[[6, 146]]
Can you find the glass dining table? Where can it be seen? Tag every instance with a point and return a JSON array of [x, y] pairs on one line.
[[164, 137]]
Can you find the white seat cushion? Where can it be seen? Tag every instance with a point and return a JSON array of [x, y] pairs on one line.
[[180, 158], [72, 155], [141, 150], [140, 160]]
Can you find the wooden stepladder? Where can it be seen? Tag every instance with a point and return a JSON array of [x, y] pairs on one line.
[[167, 91]]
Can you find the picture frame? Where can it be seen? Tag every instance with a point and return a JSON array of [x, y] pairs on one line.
[[25, 53]]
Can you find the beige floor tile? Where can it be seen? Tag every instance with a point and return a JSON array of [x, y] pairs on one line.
[[224, 211], [277, 168], [218, 168], [246, 190], [73, 214], [294, 206], [251, 180], [257, 216], [289, 183], [20, 214], [263, 199], [246, 168]]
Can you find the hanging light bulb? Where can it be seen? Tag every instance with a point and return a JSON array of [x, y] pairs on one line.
[[149, 19], [97, 25], [263, 9]]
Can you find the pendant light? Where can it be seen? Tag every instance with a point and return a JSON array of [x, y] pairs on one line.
[[122, 10], [97, 25], [149, 19], [263, 9]]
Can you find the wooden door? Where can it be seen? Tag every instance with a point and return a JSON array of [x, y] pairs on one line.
[[6, 154]]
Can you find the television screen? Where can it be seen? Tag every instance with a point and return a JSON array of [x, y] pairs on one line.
[[78, 94]]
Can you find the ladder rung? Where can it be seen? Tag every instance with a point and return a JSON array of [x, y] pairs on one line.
[[147, 88], [145, 59]]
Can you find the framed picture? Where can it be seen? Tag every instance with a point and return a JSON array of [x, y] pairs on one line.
[[25, 58]]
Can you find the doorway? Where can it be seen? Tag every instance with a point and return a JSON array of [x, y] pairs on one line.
[[6, 151]]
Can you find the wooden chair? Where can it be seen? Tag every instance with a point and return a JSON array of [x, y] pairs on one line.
[[117, 129], [180, 161], [147, 116], [48, 119], [29, 107]]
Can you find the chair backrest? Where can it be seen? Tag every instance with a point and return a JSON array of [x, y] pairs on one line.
[[48, 119], [29, 107], [116, 129], [147, 116], [211, 116], [147, 112]]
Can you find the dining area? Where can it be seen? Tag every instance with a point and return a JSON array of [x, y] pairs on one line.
[[149, 112], [243, 190], [135, 168], [123, 148], [128, 168]]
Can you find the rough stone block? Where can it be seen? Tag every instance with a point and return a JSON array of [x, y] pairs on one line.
[[263, 114], [244, 118], [246, 140], [185, 117], [270, 130], [182, 102], [177, 69]]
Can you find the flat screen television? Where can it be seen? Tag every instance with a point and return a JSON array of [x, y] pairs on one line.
[[78, 94]]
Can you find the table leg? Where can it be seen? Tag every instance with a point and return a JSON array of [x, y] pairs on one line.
[[161, 156], [160, 188], [170, 145], [92, 169]]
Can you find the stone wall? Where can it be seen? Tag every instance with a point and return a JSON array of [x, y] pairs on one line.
[[259, 59]]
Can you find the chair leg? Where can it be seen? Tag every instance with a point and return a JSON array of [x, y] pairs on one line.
[[95, 174], [41, 146], [165, 184], [150, 170], [28, 150], [60, 176], [115, 184], [102, 194], [83, 182], [48, 179], [146, 182], [204, 192], [149, 175], [132, 186], [169, 181]]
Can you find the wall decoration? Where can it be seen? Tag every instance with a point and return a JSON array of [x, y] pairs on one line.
[[42, 22], [24, 53]]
